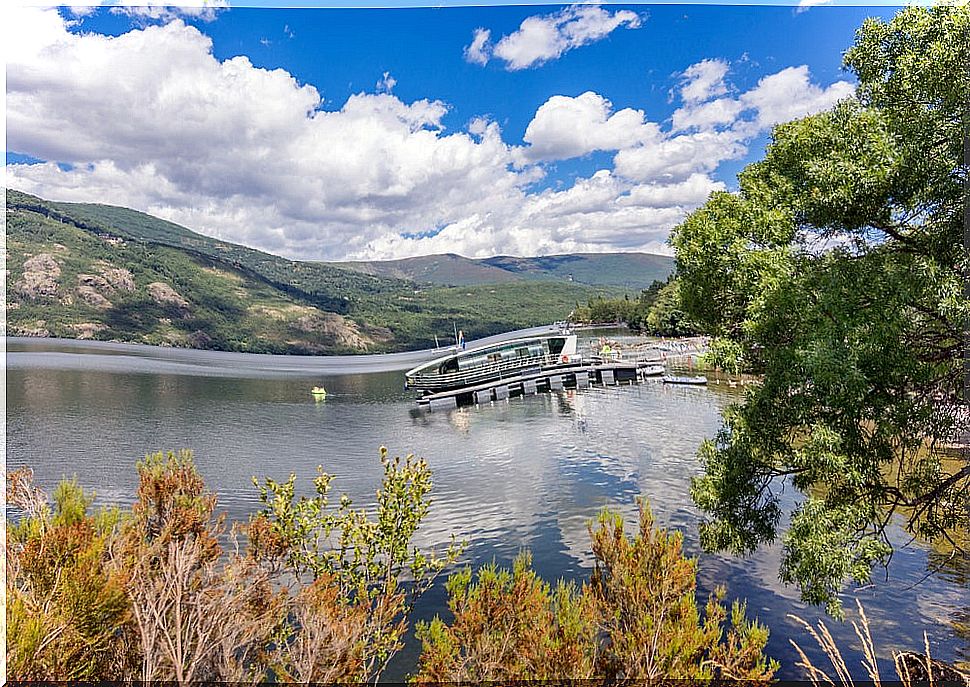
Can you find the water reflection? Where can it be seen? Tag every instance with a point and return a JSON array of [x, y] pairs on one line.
[[528, 472]]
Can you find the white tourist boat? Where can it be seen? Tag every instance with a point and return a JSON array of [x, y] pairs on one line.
[[495, 362]]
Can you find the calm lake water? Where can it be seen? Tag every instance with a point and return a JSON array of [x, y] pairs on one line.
[[526, 473]]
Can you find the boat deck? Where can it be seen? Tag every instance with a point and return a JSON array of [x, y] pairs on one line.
[[554, 379]]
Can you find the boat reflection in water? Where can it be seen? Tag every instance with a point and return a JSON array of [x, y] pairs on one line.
[[493, 363]]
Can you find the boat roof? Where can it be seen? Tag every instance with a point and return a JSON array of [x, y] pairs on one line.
[[480, 349]]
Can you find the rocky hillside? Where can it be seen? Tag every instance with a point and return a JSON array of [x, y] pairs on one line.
[[67, 283], [98, 272]]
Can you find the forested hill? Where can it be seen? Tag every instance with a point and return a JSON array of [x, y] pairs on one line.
[[111, 273], [634, 271]]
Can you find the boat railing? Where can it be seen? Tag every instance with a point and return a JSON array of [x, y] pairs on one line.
[[488, 371], [638, 356]]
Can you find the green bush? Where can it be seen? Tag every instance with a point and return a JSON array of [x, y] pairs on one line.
[[68, 616], [154, 594], [635, 619]]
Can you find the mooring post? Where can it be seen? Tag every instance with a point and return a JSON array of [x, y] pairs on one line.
[[446, 403]]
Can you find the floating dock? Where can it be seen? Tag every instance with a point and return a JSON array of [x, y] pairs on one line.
[[532, 382]]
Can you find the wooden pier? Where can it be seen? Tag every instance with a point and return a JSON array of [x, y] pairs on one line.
[[531, 383]]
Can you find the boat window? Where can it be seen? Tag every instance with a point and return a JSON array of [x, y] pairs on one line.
[[556, 346], [507, 353], [471, 363]]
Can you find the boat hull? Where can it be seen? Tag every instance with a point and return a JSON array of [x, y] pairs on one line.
[[688, 381]]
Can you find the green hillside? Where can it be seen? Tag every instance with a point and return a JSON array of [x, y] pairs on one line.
[[109, 273], [447, 269], [631, 271]]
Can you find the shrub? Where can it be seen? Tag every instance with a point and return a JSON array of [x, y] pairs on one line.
[[366, 558], [155, 595], [645, 593], [201, 613], [509, 625], [68, 617], [636, 619]]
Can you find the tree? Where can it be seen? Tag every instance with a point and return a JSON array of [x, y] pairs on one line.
[[837, 271], [657, 310], [666, 316]]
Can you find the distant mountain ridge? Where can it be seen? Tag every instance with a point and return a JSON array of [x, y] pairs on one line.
[[631, 270], [634, 271], [94, 271]]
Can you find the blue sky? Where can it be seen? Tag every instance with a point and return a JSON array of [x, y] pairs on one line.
[[337, 133]]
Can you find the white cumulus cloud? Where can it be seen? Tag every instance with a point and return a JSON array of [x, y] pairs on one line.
[[790, 94], [703, 80], [565, 127], [707, 115], [676, 158], [590, 216], [480, 49], [152, 120], [546, 37], [779, 97], [690, 193]]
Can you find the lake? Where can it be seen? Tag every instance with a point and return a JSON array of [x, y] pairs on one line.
[[525, 473]]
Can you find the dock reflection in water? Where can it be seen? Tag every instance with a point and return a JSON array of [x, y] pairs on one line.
[[529, 472]]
